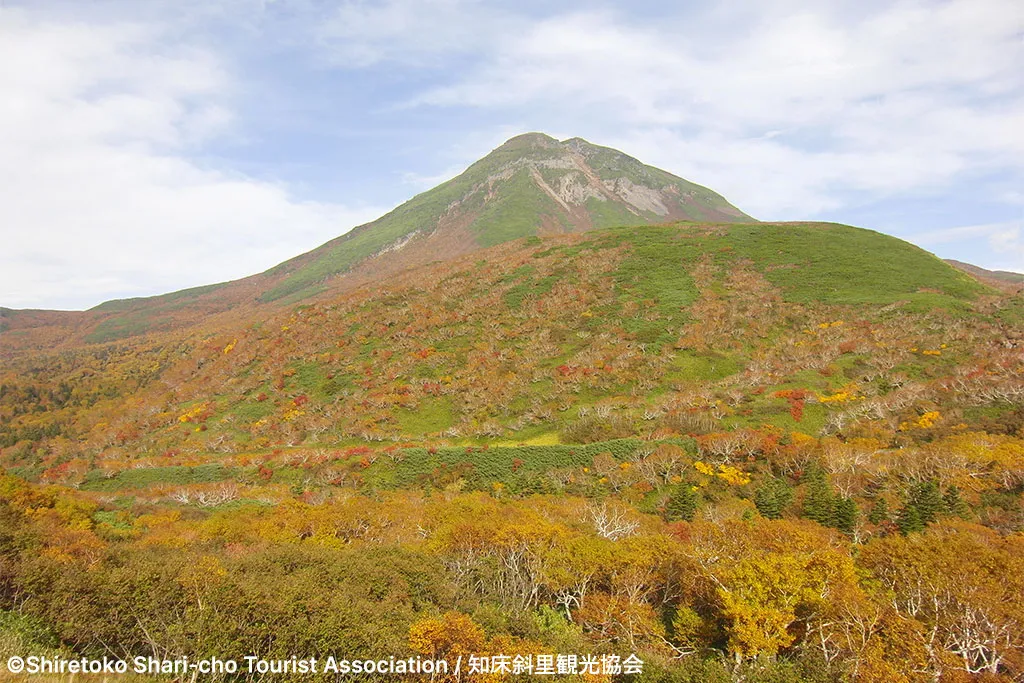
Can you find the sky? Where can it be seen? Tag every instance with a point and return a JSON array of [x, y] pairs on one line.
[[150, 146]]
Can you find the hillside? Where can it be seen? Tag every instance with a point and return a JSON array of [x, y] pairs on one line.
[[532, 184], [1003, 279], [737, 450], [505, 344]]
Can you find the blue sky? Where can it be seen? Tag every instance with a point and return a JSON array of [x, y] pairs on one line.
[[153, 146]]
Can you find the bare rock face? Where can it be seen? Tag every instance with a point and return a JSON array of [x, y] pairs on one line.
[[575, 172]]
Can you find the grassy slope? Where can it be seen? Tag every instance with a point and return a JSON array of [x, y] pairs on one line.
[[808, 262], [839, 264]]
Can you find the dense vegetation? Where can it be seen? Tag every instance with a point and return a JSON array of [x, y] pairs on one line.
[[748, 452]]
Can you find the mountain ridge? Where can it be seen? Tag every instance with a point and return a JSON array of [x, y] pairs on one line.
[[1003, 279]]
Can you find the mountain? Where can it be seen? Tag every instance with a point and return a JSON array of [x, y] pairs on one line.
[[530, 185]]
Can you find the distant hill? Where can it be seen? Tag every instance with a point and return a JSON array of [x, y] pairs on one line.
[[1003, 279]]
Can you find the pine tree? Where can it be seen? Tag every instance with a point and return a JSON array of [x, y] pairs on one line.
[[819, 500], [766, 503], [880, 512], [954, 504], [682, 505], [772, 497], [909, 519], [846, 515], [927, 498]]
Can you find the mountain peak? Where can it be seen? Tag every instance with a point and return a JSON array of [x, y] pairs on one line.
[[581, 145], [532, 184], [526, 143], [528, 140]]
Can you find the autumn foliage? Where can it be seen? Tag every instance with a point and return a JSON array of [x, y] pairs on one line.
[[632, 441]]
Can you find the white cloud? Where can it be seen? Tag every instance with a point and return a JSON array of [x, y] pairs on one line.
[[1005, 239], [414, 33], [100, 196], [1001, 232], [421, 183], [787, 109]]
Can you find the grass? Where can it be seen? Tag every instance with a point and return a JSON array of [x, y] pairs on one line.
[[120, 327], [518, 293], [177, 475], [655, 269], [182, 297], [309, 376], [432, 416], [1012, 312], [143, 314], [692, 367], [542, 439], [838, 264], [606, 214], [515, 212], [250, 410], [827, 263], [485, 465]]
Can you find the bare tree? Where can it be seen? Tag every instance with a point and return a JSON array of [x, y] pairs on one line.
[[610, 523]]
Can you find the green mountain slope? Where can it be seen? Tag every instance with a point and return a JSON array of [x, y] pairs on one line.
[[531, 184]]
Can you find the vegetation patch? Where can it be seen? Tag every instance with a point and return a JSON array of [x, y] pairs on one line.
[[178, 475]]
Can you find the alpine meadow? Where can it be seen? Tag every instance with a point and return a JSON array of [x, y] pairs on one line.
[[563, 404]]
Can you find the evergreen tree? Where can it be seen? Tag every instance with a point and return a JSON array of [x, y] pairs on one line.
[[819, 500], [846, 515], [772, 497], [927, 498], [766, 503], [879, 512], [954, 504], [682, 505], [909, 520]]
